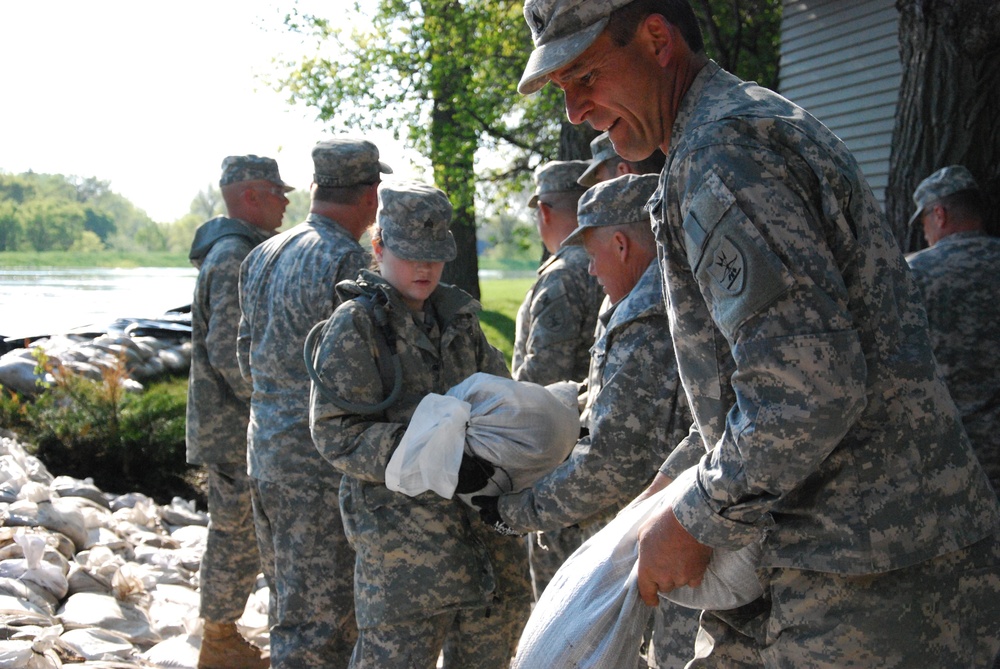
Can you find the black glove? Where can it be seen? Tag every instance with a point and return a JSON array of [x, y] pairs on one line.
[[490, 514], [473, 474]]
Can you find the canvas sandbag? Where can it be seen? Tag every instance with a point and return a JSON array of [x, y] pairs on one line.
[[522, 428], [590, 615]]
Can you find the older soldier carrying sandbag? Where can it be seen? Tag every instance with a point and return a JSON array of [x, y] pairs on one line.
[[635, 406]]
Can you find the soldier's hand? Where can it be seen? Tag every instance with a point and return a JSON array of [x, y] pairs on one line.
[[473, 474], [490, 514], [669, 557]]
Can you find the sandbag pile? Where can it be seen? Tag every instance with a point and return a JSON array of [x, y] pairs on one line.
[[146, 357], [96, 580]]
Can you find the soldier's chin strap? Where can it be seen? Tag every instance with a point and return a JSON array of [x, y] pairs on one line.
[[385, 342]]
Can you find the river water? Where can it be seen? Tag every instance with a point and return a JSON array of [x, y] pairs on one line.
[[50, 301]]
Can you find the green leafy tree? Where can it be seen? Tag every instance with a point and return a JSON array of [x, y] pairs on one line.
[[51, 225], [10, 226], [440, 72]]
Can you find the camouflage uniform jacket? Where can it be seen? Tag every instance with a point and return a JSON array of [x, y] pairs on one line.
[[555, 324], [959, 281], [218, 406], [803, 348], [423, 554], [637, 411], [287, 285]]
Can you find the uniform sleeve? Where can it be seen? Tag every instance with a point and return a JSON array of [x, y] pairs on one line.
[[631, 415], [224, 318], [243, 331], [557, 316], [355, 444], [755, 232]]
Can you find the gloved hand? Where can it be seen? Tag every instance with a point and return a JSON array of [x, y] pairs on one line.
[[473, 474], [490, 514]]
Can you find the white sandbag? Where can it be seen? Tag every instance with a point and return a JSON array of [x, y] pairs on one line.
[[521, 427], [96, 644], [179, 652], [27, 591], [56, 515], [33, 568], [87, 609], [67, 486], [430, 452], [36, 653], [590, 615], [182, 512]]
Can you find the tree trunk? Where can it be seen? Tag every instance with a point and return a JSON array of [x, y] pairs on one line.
[[949, 102], [574, 141]]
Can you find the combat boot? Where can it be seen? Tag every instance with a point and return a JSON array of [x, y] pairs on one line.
[[223, 647]]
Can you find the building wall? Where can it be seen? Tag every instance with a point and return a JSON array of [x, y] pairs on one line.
[[840, 61]]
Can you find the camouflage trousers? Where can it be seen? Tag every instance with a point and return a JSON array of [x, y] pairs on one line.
[[467, 638], [311, 568], [943, 613], [231, 561], [674, 631]]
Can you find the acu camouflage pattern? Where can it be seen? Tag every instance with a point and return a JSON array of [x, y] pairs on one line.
[[637, 413], [938, 613], [231, 561], [424, 555], [803, 349], [218, 406], [305, 552], [555, 323], [561, 31], [287, 285], [601, 149], [236, 169], [618, 201], [558, 176], [960, 284], [946, 181], [414, 218], [344, 161], [218, 410]]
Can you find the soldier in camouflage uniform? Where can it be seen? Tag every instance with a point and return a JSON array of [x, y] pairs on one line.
[[555, 325], [218, 406], [287, 285], [426, 568], [829, 436], [606, 164], [958, 278], [637, 410]]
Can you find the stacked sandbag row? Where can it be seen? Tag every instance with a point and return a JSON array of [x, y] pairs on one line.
[[92, 579], [145, 358]]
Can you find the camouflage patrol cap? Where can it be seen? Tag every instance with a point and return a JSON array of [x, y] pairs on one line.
[[618, 201], [251, 168], [413, 218], [561, 31], [602, 150], [558, 176], [345, 161], [944, 182]]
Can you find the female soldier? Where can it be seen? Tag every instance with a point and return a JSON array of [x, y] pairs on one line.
[[429, 574]]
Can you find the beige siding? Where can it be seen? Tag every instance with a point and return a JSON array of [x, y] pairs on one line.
[[840, 61]]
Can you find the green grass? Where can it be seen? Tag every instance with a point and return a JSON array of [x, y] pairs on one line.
[[501, 299], [64, 259]]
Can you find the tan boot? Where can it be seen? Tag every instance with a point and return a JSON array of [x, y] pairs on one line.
[[223, 647]]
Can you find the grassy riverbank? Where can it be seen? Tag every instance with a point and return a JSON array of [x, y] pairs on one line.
[[103, 259]]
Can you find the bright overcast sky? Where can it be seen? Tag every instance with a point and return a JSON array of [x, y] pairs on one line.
[[151, 96]]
